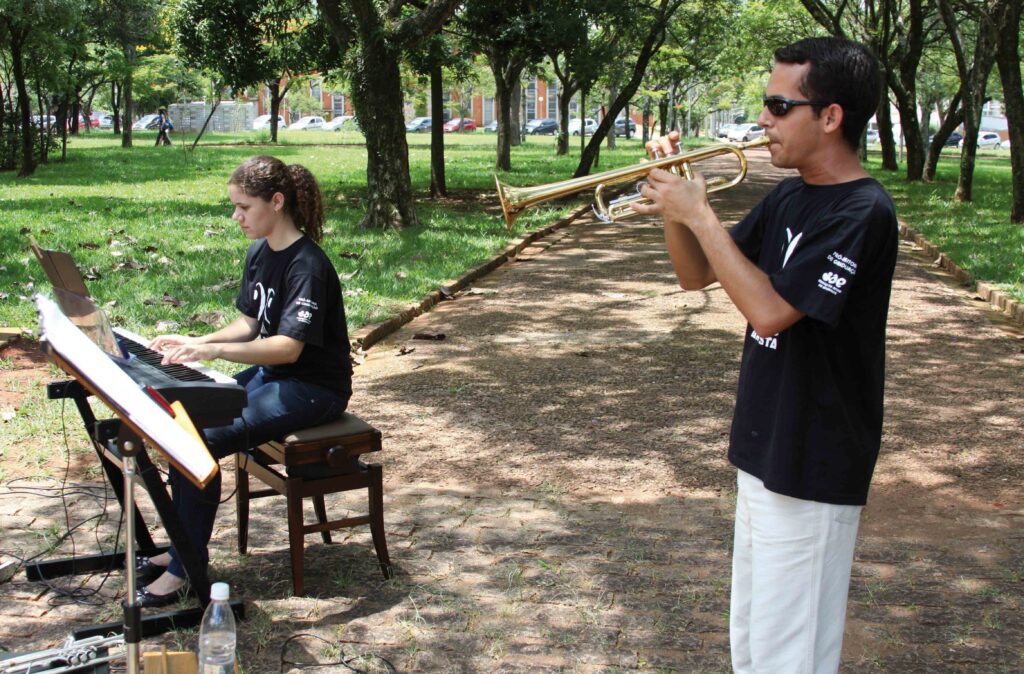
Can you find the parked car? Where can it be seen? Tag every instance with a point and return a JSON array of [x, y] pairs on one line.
[[307, 123], [460, 124], [620, 127], [589, 126], [492, 127], [1005, 145], [263, 122], [723, 130], [744, 132], [43, 121], [346, 122], [419, 125], [106, 120], [872, 137], [146, 122], [987, 140], [539, 126], [93, 121]]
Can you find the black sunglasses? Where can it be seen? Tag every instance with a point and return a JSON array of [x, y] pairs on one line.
[[780, 105]]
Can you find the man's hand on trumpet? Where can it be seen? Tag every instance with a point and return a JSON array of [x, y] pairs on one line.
[[677, 200]]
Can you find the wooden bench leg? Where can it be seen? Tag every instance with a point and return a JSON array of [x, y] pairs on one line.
[[376, 503], [321, 516], [296, 540], [242, 504]]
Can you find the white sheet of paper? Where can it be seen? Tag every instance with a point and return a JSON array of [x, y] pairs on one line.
[[154, 422]]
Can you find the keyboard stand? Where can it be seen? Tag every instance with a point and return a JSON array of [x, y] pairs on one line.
[[103, 434]]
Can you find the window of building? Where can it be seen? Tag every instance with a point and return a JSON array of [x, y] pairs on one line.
[[531, 100], [337, 104], [488, 110], [553, 99]]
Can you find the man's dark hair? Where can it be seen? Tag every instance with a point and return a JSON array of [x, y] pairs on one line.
[[842, 71]]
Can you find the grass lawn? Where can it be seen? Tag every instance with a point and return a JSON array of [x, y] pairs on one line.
[[978, 236], [151, 226]]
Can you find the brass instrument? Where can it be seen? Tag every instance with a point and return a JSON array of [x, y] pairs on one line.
[[515, 200]]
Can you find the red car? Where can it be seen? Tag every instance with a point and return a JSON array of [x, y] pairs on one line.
[[94, 121], [467, 124]]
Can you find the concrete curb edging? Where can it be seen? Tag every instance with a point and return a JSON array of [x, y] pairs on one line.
[[368, 335], [999, 300]]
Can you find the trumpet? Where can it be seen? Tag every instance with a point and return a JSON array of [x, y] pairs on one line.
[[515, 200]]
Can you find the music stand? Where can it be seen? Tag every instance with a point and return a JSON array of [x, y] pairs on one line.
[[143, 420]]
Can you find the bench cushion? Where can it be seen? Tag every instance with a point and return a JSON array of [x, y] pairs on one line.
[[347, 425]]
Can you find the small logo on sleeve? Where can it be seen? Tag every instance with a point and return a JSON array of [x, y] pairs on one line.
[[831, 282], [304, 316]]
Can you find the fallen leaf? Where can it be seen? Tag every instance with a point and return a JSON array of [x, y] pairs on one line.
[[400, 275], [349, 276], [90, 246], [167, 326], [166, 299], [150, 249], [352, 255], [405, 349], [211, 318], [436, 337], [93, 274]]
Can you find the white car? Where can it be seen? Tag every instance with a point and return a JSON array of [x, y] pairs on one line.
[[146, 122], [723, 130], [872, 137], [307, 123], [744, 132], [987, 140], [589, 126], [340, 122], [263, 122], [106, 120]]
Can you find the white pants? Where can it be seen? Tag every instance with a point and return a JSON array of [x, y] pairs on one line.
[[791, 566]]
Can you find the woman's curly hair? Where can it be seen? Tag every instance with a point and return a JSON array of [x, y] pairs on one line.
[[262, 176]]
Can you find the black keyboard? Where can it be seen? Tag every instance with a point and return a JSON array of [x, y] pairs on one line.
[[209, 403]]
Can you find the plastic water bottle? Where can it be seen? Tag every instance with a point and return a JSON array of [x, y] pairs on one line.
[[217, 634]]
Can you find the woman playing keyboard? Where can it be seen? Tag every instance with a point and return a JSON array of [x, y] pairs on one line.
[[291, 329]]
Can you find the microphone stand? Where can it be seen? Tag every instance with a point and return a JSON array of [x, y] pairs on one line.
[[128, 446]]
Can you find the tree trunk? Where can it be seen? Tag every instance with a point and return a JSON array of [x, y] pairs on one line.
[[126, 104], [377, 94], [953, 118], [28, 160], [516, 137], [647, 120], [505, 82], [1008, 60], [115, 103], [613, 92], [274, 87], [438, 187], [884, 118], [568, 91]]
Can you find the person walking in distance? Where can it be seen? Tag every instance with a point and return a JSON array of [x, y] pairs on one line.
[[811, 270]]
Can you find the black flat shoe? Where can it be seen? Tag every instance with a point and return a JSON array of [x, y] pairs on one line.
[[146, 571], [147, 599]]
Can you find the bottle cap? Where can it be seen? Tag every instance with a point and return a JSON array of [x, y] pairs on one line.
[[220, 592]]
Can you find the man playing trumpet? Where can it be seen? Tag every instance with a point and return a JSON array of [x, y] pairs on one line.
[[811, 269]]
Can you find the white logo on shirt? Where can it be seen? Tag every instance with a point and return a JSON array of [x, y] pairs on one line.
[[265, 297], [791, 246], [767, 342], [304, 316], [831, 282]]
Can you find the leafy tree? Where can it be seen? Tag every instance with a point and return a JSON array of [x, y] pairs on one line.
[[379, 36], [511, 35], [126, 25], [27, 28], [162, 79], [651, 23]]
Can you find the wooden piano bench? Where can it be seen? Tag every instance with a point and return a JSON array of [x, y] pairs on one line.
[[315, 462]]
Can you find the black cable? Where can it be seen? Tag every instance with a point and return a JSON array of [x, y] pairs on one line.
[[343, 662]]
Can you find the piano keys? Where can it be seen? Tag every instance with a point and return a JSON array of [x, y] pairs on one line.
[[211, 398]]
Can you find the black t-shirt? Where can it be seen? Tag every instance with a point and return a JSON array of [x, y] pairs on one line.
[[808, 418], [295, 292]]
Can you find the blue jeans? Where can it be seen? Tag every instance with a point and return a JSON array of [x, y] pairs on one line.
[[275, 408]]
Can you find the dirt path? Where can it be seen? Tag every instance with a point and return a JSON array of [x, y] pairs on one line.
[[558, 498]]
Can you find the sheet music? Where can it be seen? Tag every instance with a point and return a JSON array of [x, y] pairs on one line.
[[166, 435]]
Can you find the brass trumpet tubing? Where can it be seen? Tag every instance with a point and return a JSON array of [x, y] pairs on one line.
[[514, 200]]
